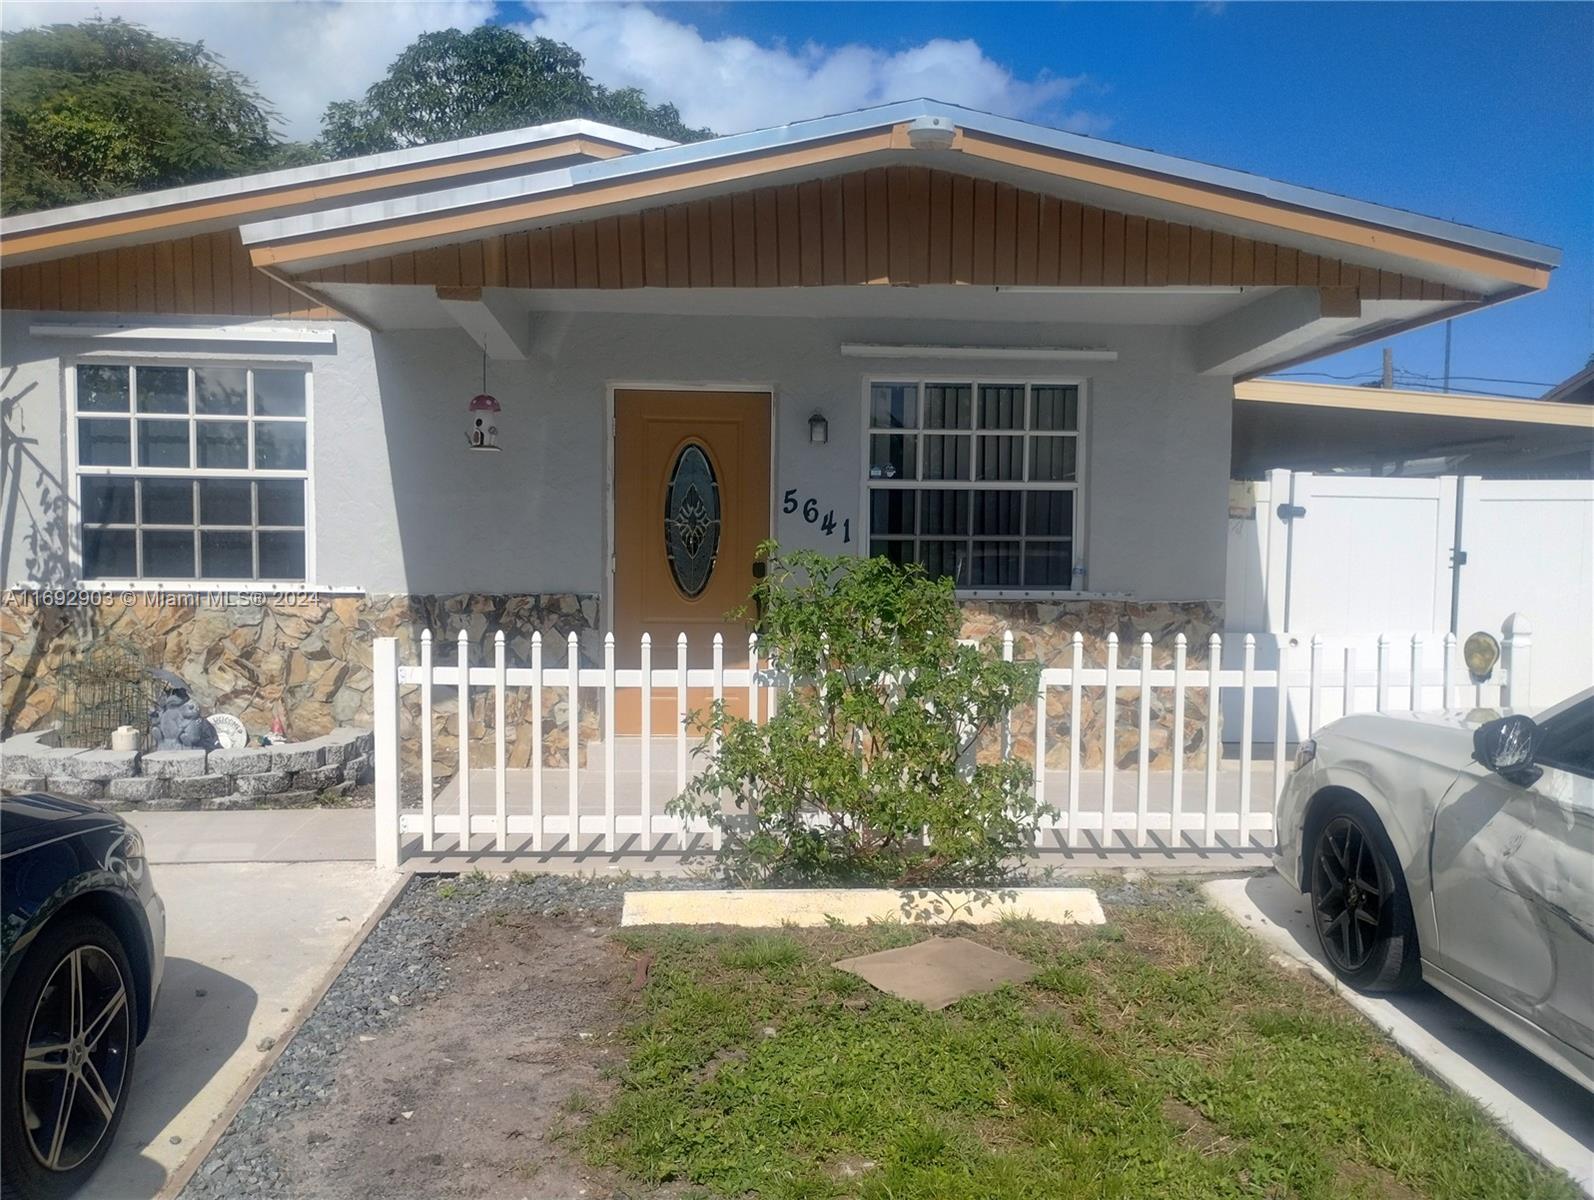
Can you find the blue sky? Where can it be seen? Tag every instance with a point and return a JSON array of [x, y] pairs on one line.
[[1480, 113]]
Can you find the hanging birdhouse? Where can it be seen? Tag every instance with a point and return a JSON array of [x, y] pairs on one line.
[[482, 433]]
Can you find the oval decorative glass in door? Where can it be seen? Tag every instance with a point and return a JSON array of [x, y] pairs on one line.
[[692, 520]]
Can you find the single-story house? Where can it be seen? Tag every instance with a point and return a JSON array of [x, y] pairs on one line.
[[569, 377]]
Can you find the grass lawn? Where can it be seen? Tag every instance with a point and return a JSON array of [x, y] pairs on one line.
[[1161, 1055]]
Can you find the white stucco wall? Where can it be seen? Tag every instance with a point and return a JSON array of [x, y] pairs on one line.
[[402, 505]]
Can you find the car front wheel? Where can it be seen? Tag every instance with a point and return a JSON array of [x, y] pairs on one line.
[[70, 1039], [1360, 905]]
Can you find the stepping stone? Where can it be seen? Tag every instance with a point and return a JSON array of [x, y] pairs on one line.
[[938, 971]]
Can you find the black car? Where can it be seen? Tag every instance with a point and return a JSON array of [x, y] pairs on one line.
[[83, 946]]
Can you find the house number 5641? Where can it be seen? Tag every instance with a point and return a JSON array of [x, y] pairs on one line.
[[810, 511]]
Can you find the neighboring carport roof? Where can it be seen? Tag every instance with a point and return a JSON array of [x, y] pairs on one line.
[[1579, 389], [1158, 180], [1324, 427], [1433, 404]]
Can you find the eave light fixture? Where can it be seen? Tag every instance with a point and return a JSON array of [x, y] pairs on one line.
[[818, 428]]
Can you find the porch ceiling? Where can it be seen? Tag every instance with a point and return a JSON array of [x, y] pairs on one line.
[[1235, 331]]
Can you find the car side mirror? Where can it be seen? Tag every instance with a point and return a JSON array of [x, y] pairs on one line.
[[1506, 746]]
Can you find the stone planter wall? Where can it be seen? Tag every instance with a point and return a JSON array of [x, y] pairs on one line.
[[309, 663], [1044, 631], [290, 774], [304, 661]]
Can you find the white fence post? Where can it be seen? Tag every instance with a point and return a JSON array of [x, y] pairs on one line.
[[464, 740], [680, 714], [1516, 657], [1314, 693], [1380, 701], [427, 832], [1076, 660], [1281, 717], [500, 745], [384, 696], [715, 833], [573, 713], [1214, 734], [1007, 718], [1109, 736], [1143, 755], [609, 836], [536, 740], [1176, 804], [1247, 731], [647, 740], [1447, 673]]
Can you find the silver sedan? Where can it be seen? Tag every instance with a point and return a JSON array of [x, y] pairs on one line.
[[1457, 849]]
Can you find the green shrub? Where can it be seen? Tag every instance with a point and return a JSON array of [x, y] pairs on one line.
[[872, 746]]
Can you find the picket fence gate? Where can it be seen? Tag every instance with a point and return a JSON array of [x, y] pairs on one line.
[[1403, 669]]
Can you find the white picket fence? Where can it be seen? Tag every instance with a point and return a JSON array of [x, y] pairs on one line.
[[1219, 812]]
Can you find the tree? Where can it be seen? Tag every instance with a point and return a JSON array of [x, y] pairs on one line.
[[868, 770], [450, 84], [105, 108]]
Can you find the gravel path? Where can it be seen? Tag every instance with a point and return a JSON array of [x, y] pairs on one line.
[[401, 963]]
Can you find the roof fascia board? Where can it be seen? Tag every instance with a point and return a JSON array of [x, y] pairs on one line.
[[1436, 404], [1045, 146], [86, 219], [543, 197]]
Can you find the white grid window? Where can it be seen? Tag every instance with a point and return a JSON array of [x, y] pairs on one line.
[[977, 481], [192, 473]]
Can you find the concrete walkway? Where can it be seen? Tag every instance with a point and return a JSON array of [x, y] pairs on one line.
[[258, 835], [248, 944], [1541, 1109]]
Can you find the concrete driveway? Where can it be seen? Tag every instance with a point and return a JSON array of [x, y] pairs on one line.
[[1540, 1108], [247, 944]]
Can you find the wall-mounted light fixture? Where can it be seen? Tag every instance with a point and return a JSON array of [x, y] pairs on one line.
[[818, 428]]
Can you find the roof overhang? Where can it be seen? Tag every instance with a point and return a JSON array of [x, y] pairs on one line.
[[152, 216], [1090, 170]]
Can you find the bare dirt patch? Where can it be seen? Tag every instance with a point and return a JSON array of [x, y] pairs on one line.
[[476, 1093]]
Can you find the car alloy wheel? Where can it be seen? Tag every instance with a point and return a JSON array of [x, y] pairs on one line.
[[75, 1064], [1349, 888]]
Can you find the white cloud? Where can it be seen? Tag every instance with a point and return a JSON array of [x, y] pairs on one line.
[[733, 83], [303, 54]]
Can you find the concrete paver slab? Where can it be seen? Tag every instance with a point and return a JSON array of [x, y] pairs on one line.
[[939, 971], [247, 944], [1541, 1109], [762, 908]]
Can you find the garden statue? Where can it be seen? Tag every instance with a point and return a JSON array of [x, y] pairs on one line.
[[175, 723]]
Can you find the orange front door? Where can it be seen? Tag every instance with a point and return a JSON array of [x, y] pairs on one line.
[[691, 505]]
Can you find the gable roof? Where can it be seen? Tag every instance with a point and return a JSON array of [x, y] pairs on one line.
[[1161, 185]]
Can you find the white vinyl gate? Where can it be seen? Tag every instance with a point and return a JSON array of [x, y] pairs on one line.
[[1358, 557], [619, 812]]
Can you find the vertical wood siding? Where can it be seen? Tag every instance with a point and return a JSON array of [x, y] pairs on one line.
[[892, 225], [208, 274]]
